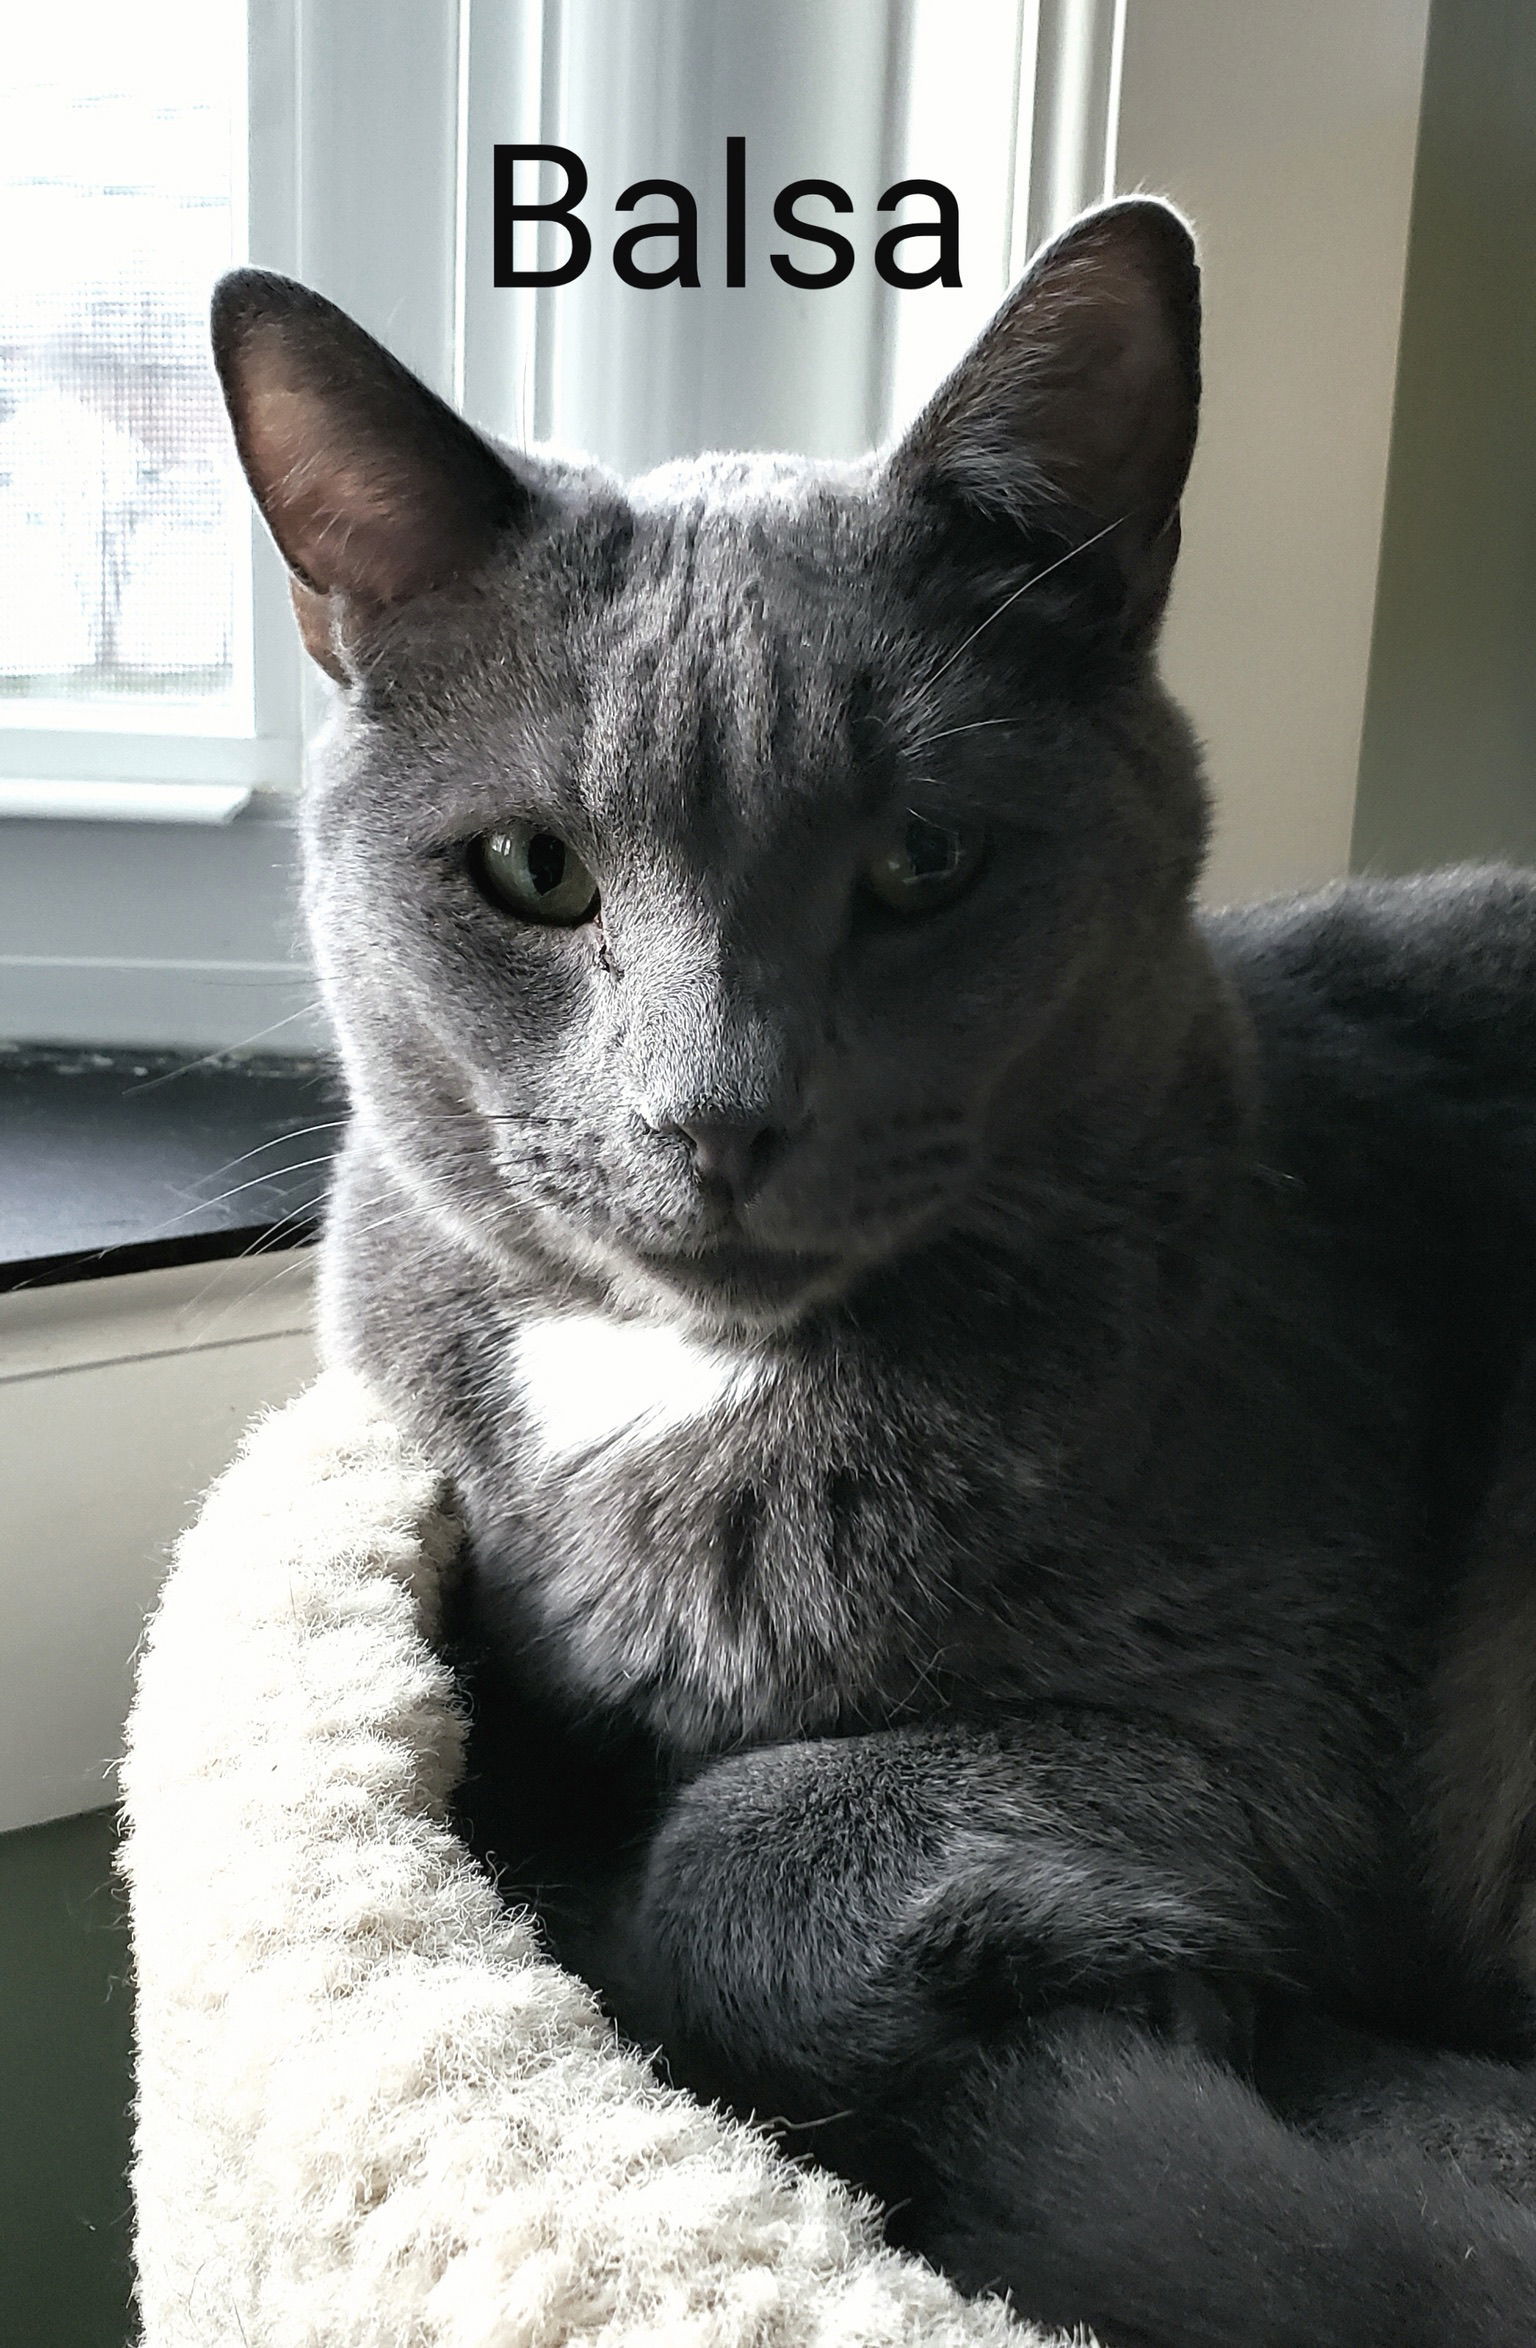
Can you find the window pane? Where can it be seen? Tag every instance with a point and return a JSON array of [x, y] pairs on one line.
[[123, 541]]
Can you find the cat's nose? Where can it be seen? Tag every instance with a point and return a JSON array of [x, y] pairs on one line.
[[729, 1157]]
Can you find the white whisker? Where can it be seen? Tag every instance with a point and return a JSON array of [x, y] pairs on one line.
[[204, 1206], [224, 1052], [1033, 580]]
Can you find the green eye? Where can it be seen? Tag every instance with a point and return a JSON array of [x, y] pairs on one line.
[[925, 865], [537, 875]]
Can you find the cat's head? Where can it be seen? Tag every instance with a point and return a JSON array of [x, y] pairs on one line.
[[716, 880]]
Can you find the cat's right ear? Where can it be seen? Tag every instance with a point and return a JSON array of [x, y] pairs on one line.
[[372, 487], [1072, 418]]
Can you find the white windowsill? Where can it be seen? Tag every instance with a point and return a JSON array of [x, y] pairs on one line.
[[109, 802]]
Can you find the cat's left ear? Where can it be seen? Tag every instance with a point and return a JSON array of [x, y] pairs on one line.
[[374, 490], [1074, 413]]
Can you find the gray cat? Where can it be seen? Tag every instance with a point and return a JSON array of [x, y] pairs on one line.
[[988, 1407]]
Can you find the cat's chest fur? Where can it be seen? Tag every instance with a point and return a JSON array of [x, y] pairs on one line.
[[589, 1382], [708, 1536]]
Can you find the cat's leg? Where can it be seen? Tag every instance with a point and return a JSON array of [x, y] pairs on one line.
[[806, 1908], [875, 1940], [1344, 2085], [1108, 2179]]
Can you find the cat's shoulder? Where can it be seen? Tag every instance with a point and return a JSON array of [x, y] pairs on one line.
[[1433, 972]]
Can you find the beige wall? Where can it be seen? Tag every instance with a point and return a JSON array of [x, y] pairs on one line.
[[1448, 769], [1287, 129], [120, 1400]]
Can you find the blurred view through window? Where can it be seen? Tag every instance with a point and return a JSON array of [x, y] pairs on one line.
[[122, 536]]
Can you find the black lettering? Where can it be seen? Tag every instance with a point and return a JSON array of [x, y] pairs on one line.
[[735, 211], [785, 217], [507, 212], [685, 229], [946, 269]]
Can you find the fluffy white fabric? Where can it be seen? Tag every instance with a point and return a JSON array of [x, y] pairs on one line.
[[369, 2110]]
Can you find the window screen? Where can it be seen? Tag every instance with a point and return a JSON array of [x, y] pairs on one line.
[[123, 539]]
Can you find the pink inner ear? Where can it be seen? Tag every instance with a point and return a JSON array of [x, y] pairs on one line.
[[371, 487], [346, 519]]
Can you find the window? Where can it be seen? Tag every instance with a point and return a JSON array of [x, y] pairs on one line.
[[130, 680], [122, 194]]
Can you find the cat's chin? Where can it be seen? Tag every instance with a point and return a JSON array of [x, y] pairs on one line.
[[734, 1286]]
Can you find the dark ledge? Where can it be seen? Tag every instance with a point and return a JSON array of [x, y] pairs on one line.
[[123, 1161]]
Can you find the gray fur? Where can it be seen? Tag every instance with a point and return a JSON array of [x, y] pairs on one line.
[[1078, 1401]]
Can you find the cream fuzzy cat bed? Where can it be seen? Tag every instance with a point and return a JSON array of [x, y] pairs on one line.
[[369, 2110]]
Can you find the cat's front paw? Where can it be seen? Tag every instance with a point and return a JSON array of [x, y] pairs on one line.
[[983, 1951]]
